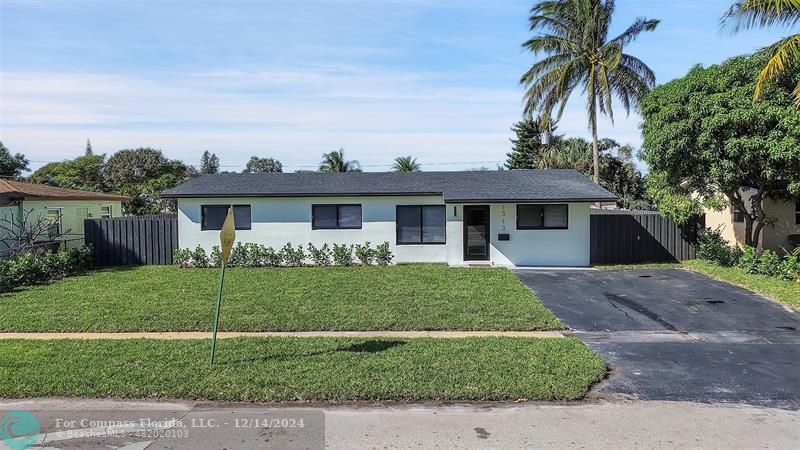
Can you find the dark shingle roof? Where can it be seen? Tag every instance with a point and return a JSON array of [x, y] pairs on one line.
[[18, 190], [455, 187]]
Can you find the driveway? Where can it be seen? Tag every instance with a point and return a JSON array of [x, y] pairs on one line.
[[672, 334]]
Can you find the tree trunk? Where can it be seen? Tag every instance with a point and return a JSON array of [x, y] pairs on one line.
[[595, 152]]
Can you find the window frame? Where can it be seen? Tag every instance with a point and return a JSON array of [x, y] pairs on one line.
[[338, 216], [60, 222], [734, 213], [421, 229], [238, 227], [797, 212], [110, 214], [543, 227]]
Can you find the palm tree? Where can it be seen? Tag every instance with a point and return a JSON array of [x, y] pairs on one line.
[[405, 164], [574, 36], [765, 13], [335, 162]]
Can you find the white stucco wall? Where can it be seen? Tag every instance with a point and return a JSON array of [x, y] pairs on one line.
[[564, 248], [276, 221]]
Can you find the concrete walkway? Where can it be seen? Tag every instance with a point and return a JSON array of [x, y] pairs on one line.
[[300, 334]]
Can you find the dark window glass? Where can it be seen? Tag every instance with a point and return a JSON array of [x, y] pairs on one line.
[[797, 212], [738, 216], [213, 216], [421, 224], [542, 217], [332, 217]]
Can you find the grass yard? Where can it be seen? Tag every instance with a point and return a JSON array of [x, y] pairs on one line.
[[302, 369], [782, 291], [163, 298]]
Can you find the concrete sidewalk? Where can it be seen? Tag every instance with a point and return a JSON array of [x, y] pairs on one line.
[[301, 334], [597, 425]]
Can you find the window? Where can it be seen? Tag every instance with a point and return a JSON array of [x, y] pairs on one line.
[[797, 212], [213, 216], [421, 224], [55, 217], [105, 211], [738, 215], [336, 217], [542, 217]]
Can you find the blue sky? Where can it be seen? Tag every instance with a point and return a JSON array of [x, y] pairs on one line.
[[293, 79]]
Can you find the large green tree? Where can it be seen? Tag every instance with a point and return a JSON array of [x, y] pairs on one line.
[[143, 173], [11, 165], [209, 163], [263, 165], [574, 34], [406, 164], [336, 162], [784, 54], [706, 142], [83, 172]]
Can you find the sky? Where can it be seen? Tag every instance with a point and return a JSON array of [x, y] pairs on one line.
[[292, 79]]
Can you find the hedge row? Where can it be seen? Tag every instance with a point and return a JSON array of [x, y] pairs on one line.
[[714, 248], [257, 255], [36, 267]]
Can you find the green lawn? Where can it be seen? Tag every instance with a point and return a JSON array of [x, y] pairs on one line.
[[302, 369], [162, 298], [785, 292]]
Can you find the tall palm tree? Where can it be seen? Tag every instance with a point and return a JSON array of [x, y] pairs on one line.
[[405, 164], [335, 162], [574, 36], [766, 13]]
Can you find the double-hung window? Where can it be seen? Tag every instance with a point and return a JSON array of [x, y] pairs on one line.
[[105, 211], [213, 216], [423, 224], [542, 217], [56, 219], [335, 217]]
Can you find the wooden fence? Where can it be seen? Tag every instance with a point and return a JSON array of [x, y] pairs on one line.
[[126, 241], [626, 237]]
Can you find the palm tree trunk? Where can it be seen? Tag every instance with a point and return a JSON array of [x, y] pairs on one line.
[[595, 150]]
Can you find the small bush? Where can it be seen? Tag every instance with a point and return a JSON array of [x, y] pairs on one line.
[[293, 257], [769, 263], [343, 254], [37, 267], [383, 256], [319, 256], [216, 256], [749, 260], [790, 268], [272, 258], [365, 254], [182, 258], [711, 246]]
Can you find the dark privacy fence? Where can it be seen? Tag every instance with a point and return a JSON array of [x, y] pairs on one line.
[[125, 241], [629, 237]]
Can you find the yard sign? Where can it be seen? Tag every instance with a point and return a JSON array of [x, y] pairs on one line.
[[226, 237]]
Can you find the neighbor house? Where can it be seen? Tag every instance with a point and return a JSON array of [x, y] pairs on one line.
[[508, 218], [66, 208], [775, 236]]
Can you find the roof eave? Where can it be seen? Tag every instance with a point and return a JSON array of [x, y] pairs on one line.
[[293, 195]]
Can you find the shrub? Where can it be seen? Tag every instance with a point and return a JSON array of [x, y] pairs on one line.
[[216, 256], [199, 257], [711, 246], [272, 258], [365, 254], [319, 256], [38, 267], [790, 268], [343, 254], [182, 258], [768, 263], [383, 256], [749, 260], [293, 257]]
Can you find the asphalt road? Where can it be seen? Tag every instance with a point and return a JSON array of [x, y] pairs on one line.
[[672, 334]]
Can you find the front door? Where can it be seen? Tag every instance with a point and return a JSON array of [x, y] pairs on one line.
[[476, 233]]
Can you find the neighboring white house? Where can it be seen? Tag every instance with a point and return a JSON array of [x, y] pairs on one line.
[[507, 218]]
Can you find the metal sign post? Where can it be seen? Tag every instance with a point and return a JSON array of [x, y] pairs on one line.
[[226, 237]]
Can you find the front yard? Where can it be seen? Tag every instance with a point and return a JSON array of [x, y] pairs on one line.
[[162, 298], [302, 369]]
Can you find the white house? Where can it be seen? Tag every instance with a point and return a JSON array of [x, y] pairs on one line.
[[505, 218]]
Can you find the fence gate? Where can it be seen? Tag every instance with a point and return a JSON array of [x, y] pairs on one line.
[[630, 237], [126, 241]]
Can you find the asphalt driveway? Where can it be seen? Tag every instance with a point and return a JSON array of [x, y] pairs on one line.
[[672, 334]]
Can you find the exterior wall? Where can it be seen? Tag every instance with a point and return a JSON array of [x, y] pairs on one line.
[[566, 248], [276, 221], [773, 237]]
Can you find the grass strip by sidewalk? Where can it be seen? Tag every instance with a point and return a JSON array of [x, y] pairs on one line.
[[302, 369], [163, 298]]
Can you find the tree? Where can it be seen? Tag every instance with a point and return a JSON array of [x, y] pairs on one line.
[[263, 165], [11, 166], [84, 173], [526, 146], [142, 174], [706, 142], [574, 35], [89, 151], [209, 163], [784, 54], [335, 162], [405, 164], [22, 233]]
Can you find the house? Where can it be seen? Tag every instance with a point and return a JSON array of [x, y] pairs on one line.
[[67, 208], [506, 218], [775, 236]]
